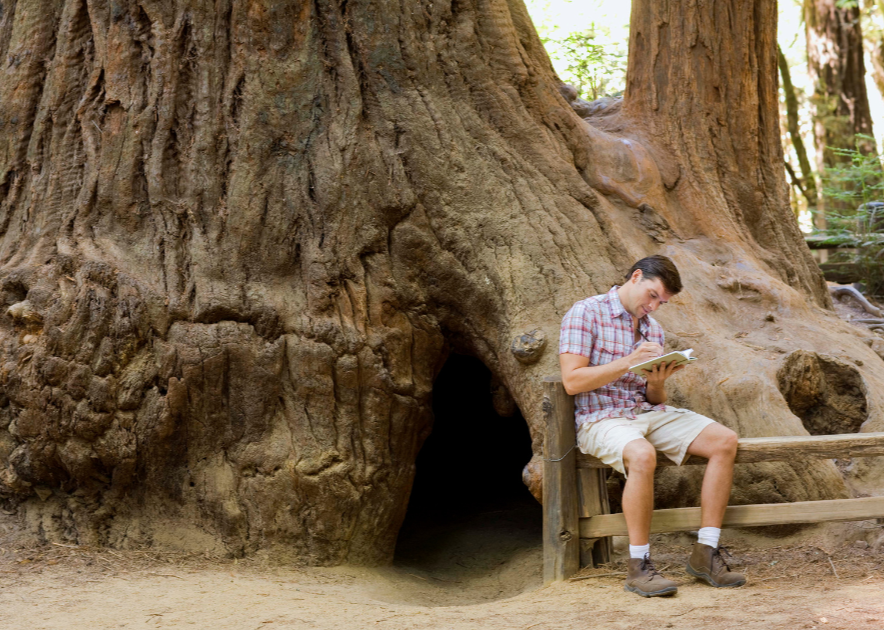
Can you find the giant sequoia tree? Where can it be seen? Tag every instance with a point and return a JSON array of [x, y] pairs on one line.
[[239, 240], [836, 65]]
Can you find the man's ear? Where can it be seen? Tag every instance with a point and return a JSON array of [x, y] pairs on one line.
[[636, 276]]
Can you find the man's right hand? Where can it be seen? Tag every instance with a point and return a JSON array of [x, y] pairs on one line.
[[578, 376], [645, 352]]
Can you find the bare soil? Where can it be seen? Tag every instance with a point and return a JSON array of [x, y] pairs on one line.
[[482, 573], [480, 570]]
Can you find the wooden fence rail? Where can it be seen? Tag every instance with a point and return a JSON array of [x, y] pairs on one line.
[[777, 449], [688, 519], [577, 523]]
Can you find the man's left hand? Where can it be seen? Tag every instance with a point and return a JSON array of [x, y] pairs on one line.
[[658, 374]]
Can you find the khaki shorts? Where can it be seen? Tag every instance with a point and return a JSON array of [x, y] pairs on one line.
[[671, 432]]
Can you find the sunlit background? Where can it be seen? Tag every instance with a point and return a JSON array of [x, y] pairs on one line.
[[601, 28]]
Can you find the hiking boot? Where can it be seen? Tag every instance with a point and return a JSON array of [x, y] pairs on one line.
[[707, 564], [642, 578]]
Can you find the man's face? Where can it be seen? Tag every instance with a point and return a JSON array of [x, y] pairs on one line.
[[646, 296]]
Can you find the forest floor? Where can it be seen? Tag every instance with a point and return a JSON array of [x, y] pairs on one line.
[[460, 572], [483, 573]]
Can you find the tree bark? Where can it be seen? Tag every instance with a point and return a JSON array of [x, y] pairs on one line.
[[703, 82], [836, 66], [239, 241]]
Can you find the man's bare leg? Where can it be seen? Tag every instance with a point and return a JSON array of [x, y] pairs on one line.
[[640, 459], [718, 444], [642, 578]]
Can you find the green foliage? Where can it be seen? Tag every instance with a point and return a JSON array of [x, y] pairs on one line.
[[857, 180], [858, 186], [594, 70]]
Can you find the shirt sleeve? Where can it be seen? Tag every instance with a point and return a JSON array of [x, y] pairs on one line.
[[578, 331]]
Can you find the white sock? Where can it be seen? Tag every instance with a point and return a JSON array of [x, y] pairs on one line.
[[639, 551], [709, 536]]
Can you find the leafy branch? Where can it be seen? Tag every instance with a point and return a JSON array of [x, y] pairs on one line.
[[594, 70]]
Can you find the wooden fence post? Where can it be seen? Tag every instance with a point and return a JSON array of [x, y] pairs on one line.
[[594, 501], [561, 542]]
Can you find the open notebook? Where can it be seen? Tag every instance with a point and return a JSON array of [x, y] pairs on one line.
[[681, 357]]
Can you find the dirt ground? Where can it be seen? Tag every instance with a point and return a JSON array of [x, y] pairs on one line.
[[484, 572], [479, 570]]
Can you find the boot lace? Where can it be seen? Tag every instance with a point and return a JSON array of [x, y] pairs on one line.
[[716, 556], [648, 565]]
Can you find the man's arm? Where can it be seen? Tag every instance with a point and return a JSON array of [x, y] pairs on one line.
[[578, 376]]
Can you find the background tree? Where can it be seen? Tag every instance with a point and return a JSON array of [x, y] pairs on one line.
[[240, 239], [806, 183], [594, 70], [836, 65]]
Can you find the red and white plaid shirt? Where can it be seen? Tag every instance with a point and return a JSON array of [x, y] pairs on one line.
[[601, 329]]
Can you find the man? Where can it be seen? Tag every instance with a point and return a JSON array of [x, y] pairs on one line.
[[622, 419]]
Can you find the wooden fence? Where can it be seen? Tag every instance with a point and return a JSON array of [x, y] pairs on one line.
[[577, 523]]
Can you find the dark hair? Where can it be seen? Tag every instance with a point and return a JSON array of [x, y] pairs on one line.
[[657, 266]]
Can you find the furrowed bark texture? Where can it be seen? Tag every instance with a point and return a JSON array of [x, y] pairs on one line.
[[704, 81], [240, 239], [837, 68]]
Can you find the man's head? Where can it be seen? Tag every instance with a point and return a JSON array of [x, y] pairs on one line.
[[652, 281]]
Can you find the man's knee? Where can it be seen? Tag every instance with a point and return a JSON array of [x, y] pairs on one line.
[[726, 443], [639, 456]]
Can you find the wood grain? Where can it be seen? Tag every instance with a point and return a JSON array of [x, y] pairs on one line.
[[687, 519], [561, 542], [593, 500]]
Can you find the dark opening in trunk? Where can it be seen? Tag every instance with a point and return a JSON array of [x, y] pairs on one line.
[[469, 511]]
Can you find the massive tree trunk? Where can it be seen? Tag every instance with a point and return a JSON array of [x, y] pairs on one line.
[[836, 66], [240, 239]]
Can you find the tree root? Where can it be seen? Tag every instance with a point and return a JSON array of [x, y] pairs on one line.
[[859, 297]]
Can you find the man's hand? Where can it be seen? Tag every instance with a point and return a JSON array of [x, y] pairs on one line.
[[657, 375], [645, 352], [578, 376]]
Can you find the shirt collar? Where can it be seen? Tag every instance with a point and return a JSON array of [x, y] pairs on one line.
[[617, 309]]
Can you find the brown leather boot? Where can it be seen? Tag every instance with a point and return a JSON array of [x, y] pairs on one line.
[[707, 564], [642, 578]]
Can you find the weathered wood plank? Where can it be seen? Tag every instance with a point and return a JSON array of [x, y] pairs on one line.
[[687, 519], [561, 543], [776, 449], [593, 500]]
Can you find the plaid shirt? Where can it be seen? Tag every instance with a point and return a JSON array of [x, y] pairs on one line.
[[601, 329]]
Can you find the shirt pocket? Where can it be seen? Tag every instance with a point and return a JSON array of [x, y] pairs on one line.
[[620, 349]]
